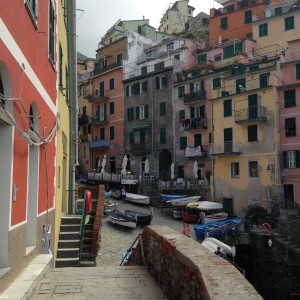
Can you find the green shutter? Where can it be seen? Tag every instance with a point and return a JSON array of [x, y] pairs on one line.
[[216, 82], [157, 82], [183, 142], [137, 113], [297, 71], [131, 138], [181, 115]]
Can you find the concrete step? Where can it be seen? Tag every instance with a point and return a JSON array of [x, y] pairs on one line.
[[68, 244], [69, 235], [69, 227], [71, 219], [67, 262], [68, 253]]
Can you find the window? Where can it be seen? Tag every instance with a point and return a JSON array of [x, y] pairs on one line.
[[240, 85], [289, 98], [278, 11], [111, 83], [102, 92], [60, 66], [51, 32], [162, 135], [181, 115], [235, 170], [142, 136], [112, 108], [263, 29], [119, 58], [291, 159], [84, 110], [252, 133], [253, 68], [181, 91], [104, 63], [216, 83], [182, 142], [170, 47], [297, 71], [102, 133], [159, 66], [264, 80], [128, 94], [290, 127], [289, 23], [144, 70], [253, 169], [224, 24], [163, 108], [112, 133], [145, 86], [227, 108], [32, 7], [203, 58], [131, 138], [164, 81], [232, 50], [197, 139], [136, 89], [177, 56], [248, 16], [130, 114], [139, 29]]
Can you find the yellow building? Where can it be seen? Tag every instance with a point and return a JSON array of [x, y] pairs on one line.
[[66, 106], [176, 17], [245, 145]]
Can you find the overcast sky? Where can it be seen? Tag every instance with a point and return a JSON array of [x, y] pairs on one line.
[[99, 15]]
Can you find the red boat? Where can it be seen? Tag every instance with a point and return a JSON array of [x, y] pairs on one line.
[[191, 216]]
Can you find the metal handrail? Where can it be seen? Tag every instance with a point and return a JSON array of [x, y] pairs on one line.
[[82, 223], [130, 249]]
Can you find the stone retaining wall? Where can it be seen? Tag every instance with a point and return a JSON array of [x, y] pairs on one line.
[[186, 270]]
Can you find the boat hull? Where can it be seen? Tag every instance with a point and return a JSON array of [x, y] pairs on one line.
[[215, 217], [121, 219], [135, 198], [140, 217], [216, 229], [170, 197], [182, 202]]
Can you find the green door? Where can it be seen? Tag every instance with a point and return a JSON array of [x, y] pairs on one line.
[[228, 205]]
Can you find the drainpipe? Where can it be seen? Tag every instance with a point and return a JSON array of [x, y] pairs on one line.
[[213, 158]]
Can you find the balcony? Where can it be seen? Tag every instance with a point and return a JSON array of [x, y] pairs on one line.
[[107, 68], [194, 123], [226, 149], [84, 138], [100, 121], [253, 114], [194, 96], [83, 120], [200, 151], [140, 149], [96, 97], [102, 144]]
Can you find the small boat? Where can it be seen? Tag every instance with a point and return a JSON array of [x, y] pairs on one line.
[[136, 198], [170, 197], [209, 205], [215, 217], [109, 206], [177, 214], [116, 194], [141, 218], [216, 229], [212, 244], [116, 217], [185, 201], [193, 205], [191, 216]]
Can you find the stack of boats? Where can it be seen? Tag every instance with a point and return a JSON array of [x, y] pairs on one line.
[[193, 210]]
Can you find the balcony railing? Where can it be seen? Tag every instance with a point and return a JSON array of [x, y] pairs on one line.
[[199, 151], [102, 144], [107, 68], [99, 121], [228, 148], [194, 123], [251, 114], [95, 97], [194, 96], [84, 138], [83, 119], [139, 148]]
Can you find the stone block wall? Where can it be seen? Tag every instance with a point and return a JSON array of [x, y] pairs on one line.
[[186, 270]]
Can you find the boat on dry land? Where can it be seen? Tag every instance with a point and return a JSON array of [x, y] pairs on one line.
[[136, 198]]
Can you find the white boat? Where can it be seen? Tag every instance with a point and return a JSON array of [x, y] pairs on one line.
[[212, 244], [215, 217], [136, 198], [209, 205], [177, 214], [185, 201]]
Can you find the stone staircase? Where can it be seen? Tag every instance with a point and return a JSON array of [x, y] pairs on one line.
[[68, 244]]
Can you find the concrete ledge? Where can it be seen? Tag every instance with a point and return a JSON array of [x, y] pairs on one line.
[[185, 269], [25, 283]]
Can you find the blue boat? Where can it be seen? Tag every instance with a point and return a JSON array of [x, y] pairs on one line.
[[216, 229], [170, 197]]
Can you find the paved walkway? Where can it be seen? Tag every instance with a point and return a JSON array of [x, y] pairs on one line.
[[108, 280]]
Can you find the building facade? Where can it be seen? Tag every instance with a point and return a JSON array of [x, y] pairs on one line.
[[29, 121]]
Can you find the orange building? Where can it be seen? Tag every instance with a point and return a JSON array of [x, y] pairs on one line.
[[234, 19]]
